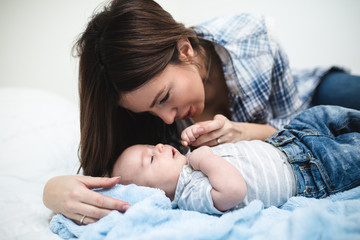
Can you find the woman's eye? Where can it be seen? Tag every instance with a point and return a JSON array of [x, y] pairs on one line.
[[165, 98]]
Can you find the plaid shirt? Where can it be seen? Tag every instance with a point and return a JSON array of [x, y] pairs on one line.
[[262, 87]]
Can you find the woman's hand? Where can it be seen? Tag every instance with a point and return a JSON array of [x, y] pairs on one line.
[[72, 197], [222, 130]]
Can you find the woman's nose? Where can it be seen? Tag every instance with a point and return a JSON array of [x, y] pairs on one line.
[[168, 116]]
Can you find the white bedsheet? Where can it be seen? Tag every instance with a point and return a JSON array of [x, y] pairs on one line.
[[39, 138]]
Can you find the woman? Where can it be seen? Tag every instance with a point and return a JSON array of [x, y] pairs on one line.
[[141, 71]]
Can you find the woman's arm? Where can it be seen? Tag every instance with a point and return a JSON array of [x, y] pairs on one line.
[[72, 197], [228, 185]]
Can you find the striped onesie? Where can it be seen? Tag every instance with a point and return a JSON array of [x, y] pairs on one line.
[[265, 169]]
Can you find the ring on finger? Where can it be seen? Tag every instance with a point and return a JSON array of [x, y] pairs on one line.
[[218, 140], [82, 219]]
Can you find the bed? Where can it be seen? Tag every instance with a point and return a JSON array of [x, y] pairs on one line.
[[39, 135], [39, 140]]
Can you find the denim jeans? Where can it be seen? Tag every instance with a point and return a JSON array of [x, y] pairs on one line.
[[338, 88], [323, 147]]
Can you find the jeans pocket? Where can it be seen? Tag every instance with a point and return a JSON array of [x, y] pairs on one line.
[[281, 138]]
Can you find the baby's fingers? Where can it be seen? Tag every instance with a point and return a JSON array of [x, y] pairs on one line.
[[190, 134]]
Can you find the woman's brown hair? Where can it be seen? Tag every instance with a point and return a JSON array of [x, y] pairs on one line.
[[124, 46]]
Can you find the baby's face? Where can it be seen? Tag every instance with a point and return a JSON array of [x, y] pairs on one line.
[[153, 166]]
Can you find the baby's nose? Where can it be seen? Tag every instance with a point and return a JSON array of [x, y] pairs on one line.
[[160, 147]]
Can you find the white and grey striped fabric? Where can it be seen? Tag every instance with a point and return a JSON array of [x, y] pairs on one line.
[[267, 173]]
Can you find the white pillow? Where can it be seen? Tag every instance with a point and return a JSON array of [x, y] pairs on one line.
[[39, 134]]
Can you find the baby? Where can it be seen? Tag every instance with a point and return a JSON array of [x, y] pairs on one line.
[[315, 155]]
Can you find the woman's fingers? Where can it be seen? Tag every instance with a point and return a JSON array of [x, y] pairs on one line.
[[103, 202], [72, 196], [87, 220], [98, 182], [211, 130], [91, 213], [93, 205], [211, 139]]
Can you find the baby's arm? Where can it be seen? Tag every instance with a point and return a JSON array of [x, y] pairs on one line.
[[228, 185]]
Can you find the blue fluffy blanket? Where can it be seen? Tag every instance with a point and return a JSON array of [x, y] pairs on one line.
[[151, 217]]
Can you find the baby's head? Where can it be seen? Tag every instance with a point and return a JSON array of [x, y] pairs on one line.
[[152, 166]]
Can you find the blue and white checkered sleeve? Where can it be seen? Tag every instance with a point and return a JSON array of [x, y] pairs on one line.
[[284, 100]]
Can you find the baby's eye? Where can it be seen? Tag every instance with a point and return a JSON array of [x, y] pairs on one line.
[[152, 158]]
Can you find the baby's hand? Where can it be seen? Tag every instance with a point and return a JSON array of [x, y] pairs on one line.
[[199, 155], [190, 134]]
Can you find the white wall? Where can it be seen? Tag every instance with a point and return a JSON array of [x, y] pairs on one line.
[[36, 36]]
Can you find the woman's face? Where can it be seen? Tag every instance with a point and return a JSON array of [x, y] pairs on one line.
[[176, 93]]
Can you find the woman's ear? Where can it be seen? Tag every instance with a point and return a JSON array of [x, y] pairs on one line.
[[186, 52]]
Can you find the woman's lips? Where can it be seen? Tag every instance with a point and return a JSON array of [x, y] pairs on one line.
[[189, 114]]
